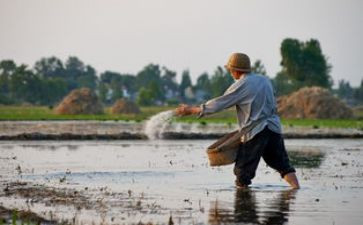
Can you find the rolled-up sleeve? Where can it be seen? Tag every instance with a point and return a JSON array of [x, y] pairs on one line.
[[231, 97]]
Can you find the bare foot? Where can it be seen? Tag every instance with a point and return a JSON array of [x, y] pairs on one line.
[[240, 185], [292, 180]]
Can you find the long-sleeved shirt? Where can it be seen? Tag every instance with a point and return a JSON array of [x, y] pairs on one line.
[[253, 97]]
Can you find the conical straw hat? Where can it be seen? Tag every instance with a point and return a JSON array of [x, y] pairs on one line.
[[239, 62]]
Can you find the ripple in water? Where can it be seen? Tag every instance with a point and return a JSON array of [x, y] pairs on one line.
[[156, 125]]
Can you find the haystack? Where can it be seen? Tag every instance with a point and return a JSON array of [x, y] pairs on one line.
[[123, 106], [80, 101], [314, 103]]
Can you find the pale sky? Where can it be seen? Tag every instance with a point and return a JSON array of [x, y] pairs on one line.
[[199, 35]]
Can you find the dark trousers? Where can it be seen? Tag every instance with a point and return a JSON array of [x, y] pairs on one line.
[[266, 144]]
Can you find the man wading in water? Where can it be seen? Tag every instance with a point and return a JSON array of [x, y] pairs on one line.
[[253, 96]]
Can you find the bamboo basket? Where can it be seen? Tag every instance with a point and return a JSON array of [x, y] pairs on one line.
[[224, 151]]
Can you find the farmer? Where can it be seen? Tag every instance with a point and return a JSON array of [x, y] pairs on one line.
[[253, 96]]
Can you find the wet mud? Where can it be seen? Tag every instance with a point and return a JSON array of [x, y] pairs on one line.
[[170, 182], [112, 130]]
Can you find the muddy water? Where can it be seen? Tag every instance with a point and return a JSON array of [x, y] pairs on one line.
[[127, 182]]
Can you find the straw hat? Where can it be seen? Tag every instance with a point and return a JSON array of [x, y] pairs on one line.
[[239, 62]]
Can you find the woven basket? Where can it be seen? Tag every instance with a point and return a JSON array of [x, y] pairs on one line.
[[224, 151]]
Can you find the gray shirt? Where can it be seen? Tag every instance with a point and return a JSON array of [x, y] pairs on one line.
[[255, 103]]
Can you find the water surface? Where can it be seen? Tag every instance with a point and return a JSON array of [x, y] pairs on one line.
[[155, 181]]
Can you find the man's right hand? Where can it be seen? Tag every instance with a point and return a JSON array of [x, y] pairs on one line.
[[182, 110], [185, 110]]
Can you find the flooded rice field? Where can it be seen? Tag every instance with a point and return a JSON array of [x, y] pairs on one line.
[[170, 182]]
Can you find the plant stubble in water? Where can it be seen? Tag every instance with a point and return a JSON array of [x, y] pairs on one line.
[[156, 125]]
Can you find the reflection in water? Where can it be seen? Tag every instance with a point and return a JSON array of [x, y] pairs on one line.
[[50, 147], [306, 159], [248, 211]]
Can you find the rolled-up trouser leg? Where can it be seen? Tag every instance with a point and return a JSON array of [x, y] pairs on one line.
[[248, 157], [275, 155]]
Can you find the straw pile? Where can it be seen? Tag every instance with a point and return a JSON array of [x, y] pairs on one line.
[[123, 106], [314, 103], [80, 101]]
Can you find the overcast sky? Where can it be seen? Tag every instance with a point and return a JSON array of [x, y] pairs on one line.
[[199, 35]]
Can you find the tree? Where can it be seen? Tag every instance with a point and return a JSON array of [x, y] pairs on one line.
[[7, 69], [129, 83], [358, 93], [157, 93], [74, 67], [102, 92], [149, 73], [220, 81], [50, 67], [77, 74], [88, 78], [168, 79], [25, 86], [283, 85], [345, 91], [150, 78], [304, 63], [111, 82], [145, 97], [258, 67], [203, 87], [52, 91], [185, 83]]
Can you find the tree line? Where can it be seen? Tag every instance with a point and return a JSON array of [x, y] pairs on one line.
[[50, 79]]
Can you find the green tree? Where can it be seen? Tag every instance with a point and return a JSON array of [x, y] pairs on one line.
[[129, 82], [170, 87], [304, 63], [102, 91], [77, 74], [50, 67], [258, 67], [7, 69], [52, 91], [150, 78], [204, 85], [145, 97], [116, 83], [148, 74], [111, 82], [358, 93], [25, 86], [169, 80], [345, 91], [88, 78], [157, 93], [185, 83], [74, 67], [220, 81], [283, 85]]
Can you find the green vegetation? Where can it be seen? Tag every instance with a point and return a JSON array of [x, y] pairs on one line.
[[313, 123], [35, 113], [358, 112], [45, 113], [327, 123]]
